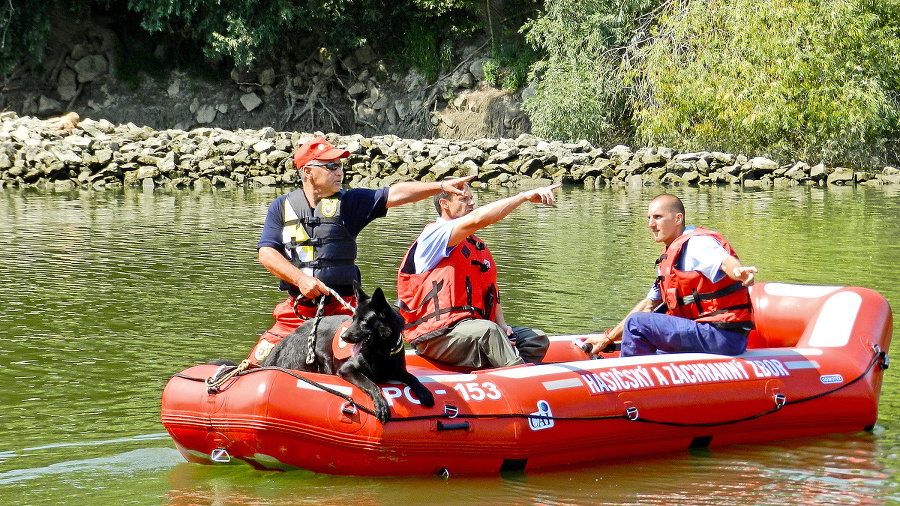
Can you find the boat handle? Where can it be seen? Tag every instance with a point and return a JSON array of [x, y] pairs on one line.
[[220, 455], [452, 426]]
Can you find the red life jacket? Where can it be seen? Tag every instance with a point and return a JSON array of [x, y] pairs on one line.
[[690, 294], [462, 285]]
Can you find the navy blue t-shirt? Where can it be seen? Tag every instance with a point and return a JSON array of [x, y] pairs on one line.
[[359, 207]]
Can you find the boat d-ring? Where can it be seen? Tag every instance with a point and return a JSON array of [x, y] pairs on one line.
[[451, 411], [884, 361], [349, 408], [780, 401], [220, 455], [632, 413]]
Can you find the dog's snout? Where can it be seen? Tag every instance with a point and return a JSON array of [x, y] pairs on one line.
[[353, 334]]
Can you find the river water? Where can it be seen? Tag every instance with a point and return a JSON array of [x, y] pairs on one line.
[[106, 294]]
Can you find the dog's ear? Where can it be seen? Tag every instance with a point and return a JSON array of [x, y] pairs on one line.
[[380, 301], [358, 292]]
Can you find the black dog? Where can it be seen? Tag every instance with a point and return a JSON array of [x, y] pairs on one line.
[[375, 330]]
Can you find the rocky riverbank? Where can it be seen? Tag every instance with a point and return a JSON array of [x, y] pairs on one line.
[[65, 153]]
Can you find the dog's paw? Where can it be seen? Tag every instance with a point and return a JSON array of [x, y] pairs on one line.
[[425, 397], [382, 411]]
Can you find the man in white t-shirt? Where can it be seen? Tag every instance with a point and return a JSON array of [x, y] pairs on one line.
[[447, 286], [702, 285]]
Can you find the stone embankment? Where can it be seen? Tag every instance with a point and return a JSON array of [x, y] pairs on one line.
[[65, 154]]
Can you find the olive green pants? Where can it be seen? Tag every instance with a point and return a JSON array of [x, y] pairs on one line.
[[482, 343]]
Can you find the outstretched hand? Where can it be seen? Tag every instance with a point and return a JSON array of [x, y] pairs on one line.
[[543, 195], [456, 185]]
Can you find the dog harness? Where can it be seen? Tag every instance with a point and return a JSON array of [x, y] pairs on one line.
[[340, 349], [690, 294], [317, 242], [462, 285]]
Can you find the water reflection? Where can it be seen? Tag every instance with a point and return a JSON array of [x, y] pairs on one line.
[[829, 470], [106, 294]]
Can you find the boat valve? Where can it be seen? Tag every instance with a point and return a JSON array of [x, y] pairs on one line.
[[220, 455]]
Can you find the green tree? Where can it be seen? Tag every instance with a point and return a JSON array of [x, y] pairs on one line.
[[794, 78], [24, 26], [247, 31], [813, 79], [581, 85]]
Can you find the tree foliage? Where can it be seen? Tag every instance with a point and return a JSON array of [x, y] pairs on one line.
[[798, 78], [24, 26], [812, 79], [246, 31], [581, 90]]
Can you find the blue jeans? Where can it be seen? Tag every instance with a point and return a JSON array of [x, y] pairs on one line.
[[649, 333]]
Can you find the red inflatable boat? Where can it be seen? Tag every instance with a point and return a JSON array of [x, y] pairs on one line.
[[815, 366]]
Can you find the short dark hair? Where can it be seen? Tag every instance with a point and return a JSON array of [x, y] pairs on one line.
[[672, 203], [437, 200]]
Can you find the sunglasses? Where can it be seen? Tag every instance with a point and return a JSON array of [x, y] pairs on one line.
[[332, 166]]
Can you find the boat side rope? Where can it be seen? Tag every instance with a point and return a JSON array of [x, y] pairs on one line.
[[880, 358], [223, 374], [246, 370]]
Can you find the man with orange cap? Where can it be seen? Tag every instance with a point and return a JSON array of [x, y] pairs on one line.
[[309, 237]]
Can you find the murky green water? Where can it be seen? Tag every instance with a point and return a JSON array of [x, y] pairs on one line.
[[105, 295]]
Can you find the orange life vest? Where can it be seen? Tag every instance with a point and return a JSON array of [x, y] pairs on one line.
[[462, 285], [690, 294]]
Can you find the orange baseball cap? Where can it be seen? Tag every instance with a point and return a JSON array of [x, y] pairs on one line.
[[317, 149]]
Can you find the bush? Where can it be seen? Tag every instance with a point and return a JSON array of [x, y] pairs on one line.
[[491, 73], [24, 26], [581, 87], [787, 78], [800, 79]]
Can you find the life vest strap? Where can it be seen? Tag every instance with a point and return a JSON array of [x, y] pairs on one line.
[[436, 314], [696, 298], [748, 307], [743, 327], [318, 220], [313, 241], [322, 262]]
